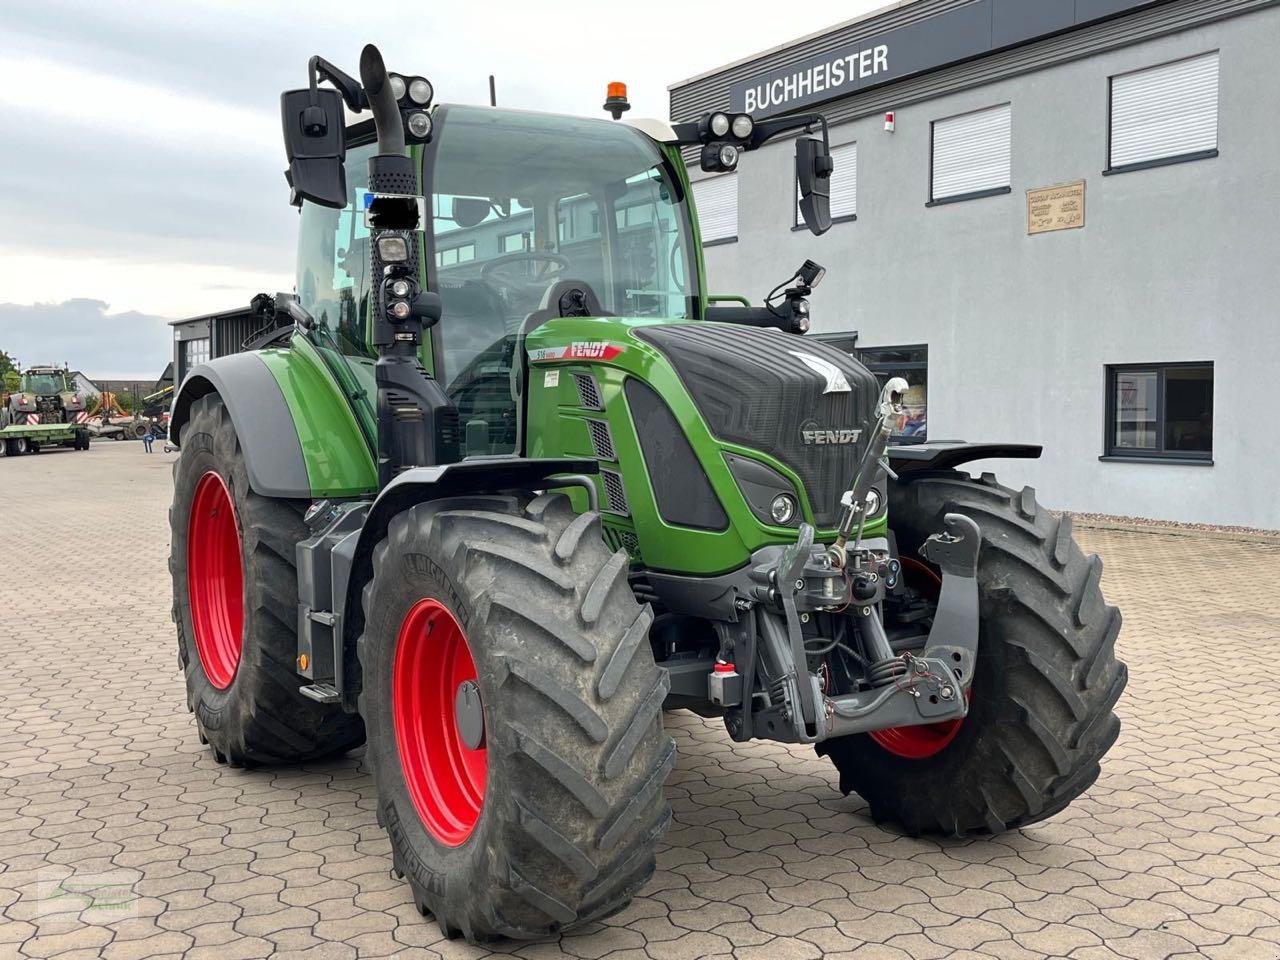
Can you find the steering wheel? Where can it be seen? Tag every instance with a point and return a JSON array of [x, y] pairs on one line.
[[493, 270]]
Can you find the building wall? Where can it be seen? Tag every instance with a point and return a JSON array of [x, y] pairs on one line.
[[1176, 263]]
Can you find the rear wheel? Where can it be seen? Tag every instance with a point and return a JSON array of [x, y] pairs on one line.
[[512, 705], [235, 604], [1046, 681]]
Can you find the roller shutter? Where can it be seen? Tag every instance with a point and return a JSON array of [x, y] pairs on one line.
[[971, 153], [716, 200], [1165, 111]]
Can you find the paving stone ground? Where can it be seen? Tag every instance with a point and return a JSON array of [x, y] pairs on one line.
[[121, 838]]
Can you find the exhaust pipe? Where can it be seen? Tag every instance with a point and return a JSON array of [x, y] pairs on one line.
[[386, 113]]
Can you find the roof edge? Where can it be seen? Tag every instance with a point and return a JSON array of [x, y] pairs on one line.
[[869, 15]]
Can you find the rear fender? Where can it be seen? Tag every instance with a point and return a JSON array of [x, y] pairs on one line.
[[299, 436], [268, 438]]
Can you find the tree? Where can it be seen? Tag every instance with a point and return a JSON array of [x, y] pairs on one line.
[[7, 365]]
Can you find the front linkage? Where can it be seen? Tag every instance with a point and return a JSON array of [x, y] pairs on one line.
[[786, 695]]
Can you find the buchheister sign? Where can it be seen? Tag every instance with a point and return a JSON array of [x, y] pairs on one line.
[[970, 30]]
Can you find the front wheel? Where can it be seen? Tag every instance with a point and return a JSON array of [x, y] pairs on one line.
[[1045, 683], [512, 707]]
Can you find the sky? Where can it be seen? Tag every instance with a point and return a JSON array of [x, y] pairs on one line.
[[145, 183]]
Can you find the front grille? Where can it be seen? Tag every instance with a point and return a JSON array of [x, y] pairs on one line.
[[602, 440], [588, 392], [615, 494], [752, 389]]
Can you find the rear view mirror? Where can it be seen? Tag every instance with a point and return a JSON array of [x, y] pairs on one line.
[[315, 143], [813, 174], [470, 211]]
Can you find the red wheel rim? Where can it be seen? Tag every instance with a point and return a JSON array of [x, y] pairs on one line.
[[923, 740], [215, 580], [445, 777]]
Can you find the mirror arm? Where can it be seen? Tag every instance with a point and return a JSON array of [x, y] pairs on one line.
[[766, 130], [319, 69]]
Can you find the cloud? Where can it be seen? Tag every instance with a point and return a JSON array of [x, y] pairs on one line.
[[80, 332]]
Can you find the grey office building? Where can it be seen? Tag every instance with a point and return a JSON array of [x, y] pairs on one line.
[[1067, 233]]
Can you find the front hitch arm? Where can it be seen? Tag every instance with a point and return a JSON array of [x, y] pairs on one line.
[[933, 685]]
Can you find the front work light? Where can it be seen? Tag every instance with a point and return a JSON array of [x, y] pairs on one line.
[[419, 124], [420, 91], [397, 85], [728, 156], [719, 124], [393, 249], [742, 126]]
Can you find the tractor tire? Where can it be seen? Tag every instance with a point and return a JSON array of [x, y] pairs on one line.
[[16, 446], [1045, 685], [536, 805], [235, 605]]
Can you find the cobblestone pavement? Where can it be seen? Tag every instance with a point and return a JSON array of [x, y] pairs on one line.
[[104, 788]]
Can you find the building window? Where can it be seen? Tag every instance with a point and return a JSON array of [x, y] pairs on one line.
[[716, 201], [912, 364], [452, 256], [1160, 411], [844, 185], [1165, 114], [517, 242], [970, 156], [194, 353]]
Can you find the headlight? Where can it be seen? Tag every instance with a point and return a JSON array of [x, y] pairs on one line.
[[742, 126], [400, 309], [420, 91], [728, 156], [782, 509], [719, 124], [397, 85], [400, 288], [873, 502]]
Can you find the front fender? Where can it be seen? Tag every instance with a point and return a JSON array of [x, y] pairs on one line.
[[915, 458]]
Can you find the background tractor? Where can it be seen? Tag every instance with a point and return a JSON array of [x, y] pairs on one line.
[[502, 481], [45, 395]]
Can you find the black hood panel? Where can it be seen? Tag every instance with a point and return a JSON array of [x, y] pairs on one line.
[[752, 389]]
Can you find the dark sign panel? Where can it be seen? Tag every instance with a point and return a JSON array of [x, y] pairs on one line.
[[976, 28]]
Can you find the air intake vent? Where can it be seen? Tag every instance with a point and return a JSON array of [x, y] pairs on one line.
[[615, 494], [588, 392], [602, 440]]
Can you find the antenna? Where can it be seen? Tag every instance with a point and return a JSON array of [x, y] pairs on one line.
[[493, 92]]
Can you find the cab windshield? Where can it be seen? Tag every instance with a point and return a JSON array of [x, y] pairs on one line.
[[521, 200], [44, 384]]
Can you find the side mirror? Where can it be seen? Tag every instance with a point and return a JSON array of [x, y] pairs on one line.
[[470, 211], [813, 174], [315, 143]]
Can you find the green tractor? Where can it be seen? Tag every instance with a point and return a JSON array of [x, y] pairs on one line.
[[501, 483], [45, 395]]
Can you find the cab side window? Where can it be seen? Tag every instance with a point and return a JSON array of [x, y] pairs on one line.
[[333, 281]]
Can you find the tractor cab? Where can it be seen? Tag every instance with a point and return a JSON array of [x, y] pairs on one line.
[[518, 203]]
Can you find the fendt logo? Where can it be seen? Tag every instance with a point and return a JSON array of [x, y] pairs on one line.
[[815, 436], [578, 350]]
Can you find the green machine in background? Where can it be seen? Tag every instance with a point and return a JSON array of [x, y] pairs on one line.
[[503, 481]]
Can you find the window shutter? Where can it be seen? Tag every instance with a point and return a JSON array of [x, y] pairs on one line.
[[1165, 111], [971, 152], [716, 201], [844, 183]]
